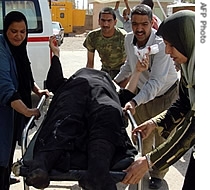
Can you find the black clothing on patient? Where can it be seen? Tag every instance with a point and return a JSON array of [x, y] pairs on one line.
[[85, 111]]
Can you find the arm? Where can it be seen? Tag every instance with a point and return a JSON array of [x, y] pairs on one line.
[[55, 76], [90, 59], [127, 6], [175, 146], [90, 44], [117, 12], [166, 154], [126, 94], [169, 119], [132, 84], [117, 5], [39, 92], [140, 67], [20, 107], [8, 85], [179, 115]]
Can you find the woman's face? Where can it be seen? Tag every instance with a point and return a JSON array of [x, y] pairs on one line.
[[16, 33], [174, 53]]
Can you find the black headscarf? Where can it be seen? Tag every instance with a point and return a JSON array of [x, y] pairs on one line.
[[25, 77], [24, 73], [179, 30]]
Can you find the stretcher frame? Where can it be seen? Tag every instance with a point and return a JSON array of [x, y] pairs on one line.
[[72, 175]]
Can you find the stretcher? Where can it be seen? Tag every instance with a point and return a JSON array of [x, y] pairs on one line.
[[19, 169]]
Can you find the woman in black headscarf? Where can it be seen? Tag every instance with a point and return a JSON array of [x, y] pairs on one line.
[[178, 32], [16, 85]]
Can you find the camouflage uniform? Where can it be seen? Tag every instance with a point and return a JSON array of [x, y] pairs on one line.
[[111, 50]]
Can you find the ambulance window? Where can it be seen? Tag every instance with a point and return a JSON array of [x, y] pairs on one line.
[[29, 8]]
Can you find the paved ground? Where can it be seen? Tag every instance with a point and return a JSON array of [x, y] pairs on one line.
[[73, 57]]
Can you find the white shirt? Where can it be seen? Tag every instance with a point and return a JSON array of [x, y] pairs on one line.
[[160, 76], [126, 24]]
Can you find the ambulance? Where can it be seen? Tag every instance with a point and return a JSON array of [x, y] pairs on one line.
[[39, 20]]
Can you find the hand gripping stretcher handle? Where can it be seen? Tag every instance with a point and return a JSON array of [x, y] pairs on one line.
[[30, 122]]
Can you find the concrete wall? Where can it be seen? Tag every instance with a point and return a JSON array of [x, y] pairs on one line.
[[91, 21], [156, 10]]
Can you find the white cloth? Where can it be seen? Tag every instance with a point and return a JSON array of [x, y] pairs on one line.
[[141, 53]]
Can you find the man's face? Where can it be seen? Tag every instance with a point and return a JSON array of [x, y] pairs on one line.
[[141, 26], [107, 24], [125, 14]]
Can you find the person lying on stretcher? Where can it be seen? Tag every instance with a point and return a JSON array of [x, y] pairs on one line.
[[84, 128]]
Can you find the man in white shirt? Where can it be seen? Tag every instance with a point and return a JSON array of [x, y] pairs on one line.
[[157, 87]]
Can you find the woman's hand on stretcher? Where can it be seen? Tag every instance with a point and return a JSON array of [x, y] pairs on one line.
[[33, 112], [145, 129], [20, 107], [136, 171], [39, 92]]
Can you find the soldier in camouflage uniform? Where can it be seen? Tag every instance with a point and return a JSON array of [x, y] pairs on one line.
[[108, 40]]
